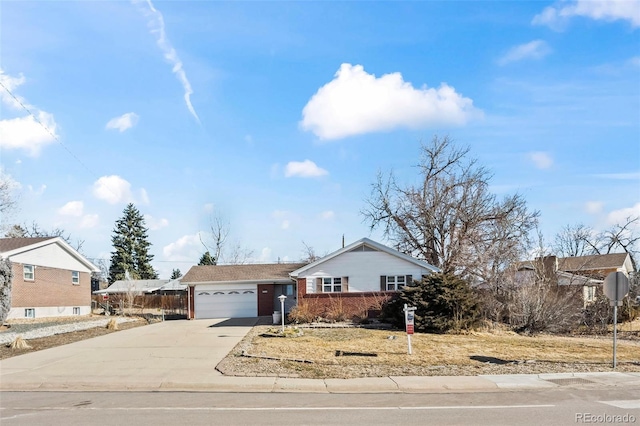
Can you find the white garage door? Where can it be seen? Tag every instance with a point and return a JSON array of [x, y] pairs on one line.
[[226, 302]]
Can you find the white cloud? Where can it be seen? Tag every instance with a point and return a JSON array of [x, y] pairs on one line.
[[144, 197], [327, 215], [284, 217], [594, 207], [541, 160], [37, 192], [620, 216], [187, 247], [155, 224], [356, 102], [536, 49], [305, 169], [72, 208], [124, 122], [605, 10], [89, 221], [28, 132], [265, 255], [113, 189], [156, 23], [620, 176]]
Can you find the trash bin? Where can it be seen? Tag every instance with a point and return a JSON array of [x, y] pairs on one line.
[[277, 317]]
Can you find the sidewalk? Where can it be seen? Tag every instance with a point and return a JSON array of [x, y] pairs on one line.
[[182, 356]]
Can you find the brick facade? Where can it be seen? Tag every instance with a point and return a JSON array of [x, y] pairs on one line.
[[51, 287], [358, 305]]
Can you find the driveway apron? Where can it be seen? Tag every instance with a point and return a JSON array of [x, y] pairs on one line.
[[145, 357]]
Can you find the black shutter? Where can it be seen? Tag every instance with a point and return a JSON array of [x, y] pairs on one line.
[[383, 283]]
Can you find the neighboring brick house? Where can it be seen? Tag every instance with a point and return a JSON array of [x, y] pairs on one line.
[[50, 278], [358, 278], [586, 271]]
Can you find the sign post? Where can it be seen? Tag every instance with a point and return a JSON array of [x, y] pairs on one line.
[[409, 321], [616, 287]]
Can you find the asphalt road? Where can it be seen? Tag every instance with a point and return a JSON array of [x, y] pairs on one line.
[[566, 406]]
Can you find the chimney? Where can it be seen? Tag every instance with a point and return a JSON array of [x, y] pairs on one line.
[[342, 240]]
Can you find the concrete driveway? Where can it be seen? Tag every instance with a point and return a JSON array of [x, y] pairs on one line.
[[148, 357]]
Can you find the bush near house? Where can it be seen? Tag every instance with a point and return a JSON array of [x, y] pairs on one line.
[[443, 303]]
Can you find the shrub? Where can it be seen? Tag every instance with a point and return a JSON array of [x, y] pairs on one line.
[[6, 277], [442, 302], [305, 311]]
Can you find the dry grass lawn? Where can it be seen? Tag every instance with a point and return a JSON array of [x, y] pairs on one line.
[[359, 352]]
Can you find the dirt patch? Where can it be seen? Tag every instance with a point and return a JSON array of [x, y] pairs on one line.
[[433, 354], [66, 338]]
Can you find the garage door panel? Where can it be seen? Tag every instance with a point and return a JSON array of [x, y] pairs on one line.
[[226, 303]]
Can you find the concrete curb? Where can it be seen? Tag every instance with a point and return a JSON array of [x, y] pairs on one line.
[[395, 384]]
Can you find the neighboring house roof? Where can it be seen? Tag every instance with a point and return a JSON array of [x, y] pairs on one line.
[[10, 244], [372, 244], [596, 261], [248, 273], [13, 246], [142, 286]]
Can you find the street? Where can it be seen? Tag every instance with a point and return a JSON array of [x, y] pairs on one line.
[[557, 406]]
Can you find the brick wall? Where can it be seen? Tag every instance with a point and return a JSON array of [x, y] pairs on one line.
[[347, 305], [50, 287]]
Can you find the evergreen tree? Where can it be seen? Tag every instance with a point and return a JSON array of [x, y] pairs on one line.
[[131, 248], [443, 302], [207, 259], [175, 274]]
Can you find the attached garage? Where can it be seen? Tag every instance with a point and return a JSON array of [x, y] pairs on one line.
[[239, 291], [239, 301]]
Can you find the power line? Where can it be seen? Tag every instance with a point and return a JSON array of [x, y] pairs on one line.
[[53, 135]]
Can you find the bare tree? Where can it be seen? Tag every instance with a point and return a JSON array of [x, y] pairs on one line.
[[223, 250], [8, 200], [309, 254], [35, 231], [450, 218], [580, 240], [621, 236], [574, 240]]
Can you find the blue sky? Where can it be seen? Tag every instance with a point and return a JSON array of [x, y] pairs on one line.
[[277, 116]]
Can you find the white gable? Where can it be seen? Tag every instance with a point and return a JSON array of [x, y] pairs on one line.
[[52, 256], [363, 268]]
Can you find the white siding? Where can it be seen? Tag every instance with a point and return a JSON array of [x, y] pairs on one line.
[[51, 255], [46, 312], [363, 268]]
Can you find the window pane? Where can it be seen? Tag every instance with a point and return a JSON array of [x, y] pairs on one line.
[[401, 279], [327, 289], [326, 281], [391, 279], [337, 288], [337, 281]]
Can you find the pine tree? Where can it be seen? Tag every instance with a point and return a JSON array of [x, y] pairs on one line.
[[175, 274], [207, 259], [131, 248]]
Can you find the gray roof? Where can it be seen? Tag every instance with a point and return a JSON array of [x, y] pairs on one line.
[[247, 272]]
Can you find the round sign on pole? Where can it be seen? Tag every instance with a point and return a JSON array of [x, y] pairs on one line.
[[616, 286]]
